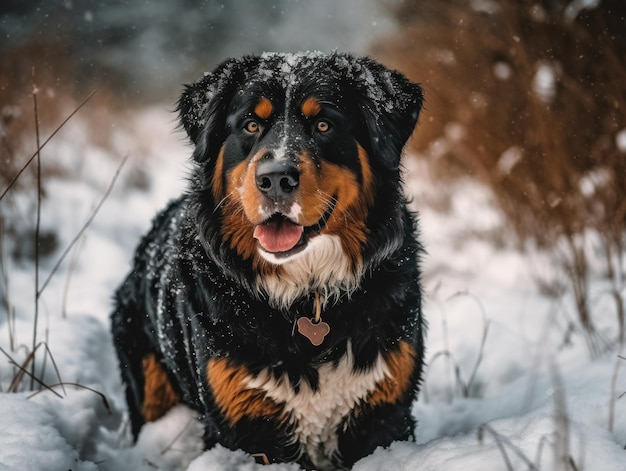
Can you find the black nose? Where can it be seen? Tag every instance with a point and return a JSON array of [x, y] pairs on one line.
[[277, 178]]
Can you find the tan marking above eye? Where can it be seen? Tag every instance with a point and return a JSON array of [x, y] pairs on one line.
[[264, 108], [311, 107]]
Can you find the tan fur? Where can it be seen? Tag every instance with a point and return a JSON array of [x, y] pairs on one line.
[[159, 396], [233, 396]]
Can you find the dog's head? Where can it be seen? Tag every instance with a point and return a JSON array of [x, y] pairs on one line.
[[293, 154]]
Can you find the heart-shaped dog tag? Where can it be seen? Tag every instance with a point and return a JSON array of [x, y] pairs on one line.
[[315, 332]]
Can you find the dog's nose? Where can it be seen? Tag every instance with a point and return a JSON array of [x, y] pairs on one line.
[[277, 178]]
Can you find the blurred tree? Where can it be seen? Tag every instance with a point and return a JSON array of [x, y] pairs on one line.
[[529, 97]]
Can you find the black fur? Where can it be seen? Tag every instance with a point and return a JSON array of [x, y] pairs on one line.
[[191, 297]]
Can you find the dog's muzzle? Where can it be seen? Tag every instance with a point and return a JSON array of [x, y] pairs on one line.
[[277, 179]]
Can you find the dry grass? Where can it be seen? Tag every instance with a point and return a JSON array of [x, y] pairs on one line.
[[461, 383], [530, 100], [558, 441], [34, 366], [47, 65]]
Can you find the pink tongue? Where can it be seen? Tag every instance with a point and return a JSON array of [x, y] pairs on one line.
[[278, 235]]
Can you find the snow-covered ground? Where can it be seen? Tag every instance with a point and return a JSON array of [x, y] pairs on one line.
[[508, 385]]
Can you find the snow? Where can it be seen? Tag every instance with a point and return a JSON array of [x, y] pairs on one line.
[[530, 390], [544, 82], [620, 140], [509, 159]]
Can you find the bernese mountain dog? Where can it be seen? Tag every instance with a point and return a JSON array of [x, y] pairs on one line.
[[280, 296]]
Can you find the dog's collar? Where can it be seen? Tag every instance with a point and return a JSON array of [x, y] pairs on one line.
[[314, 328]]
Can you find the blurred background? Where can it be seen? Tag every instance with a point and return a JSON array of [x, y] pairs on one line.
[[145, 50], [526, 97], [517, 168]]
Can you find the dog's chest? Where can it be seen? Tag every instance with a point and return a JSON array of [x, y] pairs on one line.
[[318, 416]]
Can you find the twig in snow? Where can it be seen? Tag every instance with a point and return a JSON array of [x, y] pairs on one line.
[[4, 283], [562, 458], [177, 437], [39, 148], [50, 387], [501, 441], [37, 228], [467, 386], [17, 379], [70, 271], [614, 393], [85, 226], [24, 371]]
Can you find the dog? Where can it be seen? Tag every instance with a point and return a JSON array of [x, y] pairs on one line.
[[280, 296]]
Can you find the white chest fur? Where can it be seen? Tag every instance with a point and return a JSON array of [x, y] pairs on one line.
[[316, 415], [322, 266]]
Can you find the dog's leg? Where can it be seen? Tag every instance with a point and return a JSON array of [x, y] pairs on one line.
[[159, 394], [129, 342], [149, 393], [373, 428], [385, 416]]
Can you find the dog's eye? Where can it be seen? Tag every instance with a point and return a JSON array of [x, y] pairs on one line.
[[252, 127], [322, 126]]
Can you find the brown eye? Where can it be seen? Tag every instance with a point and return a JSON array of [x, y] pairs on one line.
[[322, 126], [252, 127]]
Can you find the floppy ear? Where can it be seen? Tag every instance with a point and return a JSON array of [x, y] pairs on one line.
[[204, 104], [390, 105]]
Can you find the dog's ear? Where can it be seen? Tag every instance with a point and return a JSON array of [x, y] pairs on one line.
[[203, 106], [390, 105]]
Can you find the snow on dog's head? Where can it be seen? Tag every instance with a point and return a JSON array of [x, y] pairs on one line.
[[293, 152]]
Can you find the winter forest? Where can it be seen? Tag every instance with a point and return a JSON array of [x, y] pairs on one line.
[[517, 170]]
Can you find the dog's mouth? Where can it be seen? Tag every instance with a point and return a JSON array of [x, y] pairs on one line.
[[283, 238]]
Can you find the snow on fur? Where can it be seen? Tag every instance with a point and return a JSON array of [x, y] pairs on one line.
[[528, 380]]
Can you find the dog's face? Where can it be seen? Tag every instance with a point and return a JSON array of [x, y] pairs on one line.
[[294, 151], [293, 166]]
